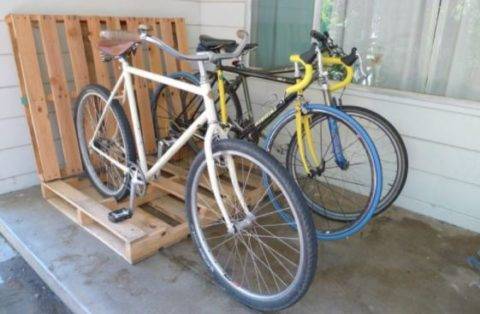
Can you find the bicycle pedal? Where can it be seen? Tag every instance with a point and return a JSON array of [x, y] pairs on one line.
[[120, 215]]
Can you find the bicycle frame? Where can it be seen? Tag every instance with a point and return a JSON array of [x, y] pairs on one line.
[[302, 122], [208, 116]]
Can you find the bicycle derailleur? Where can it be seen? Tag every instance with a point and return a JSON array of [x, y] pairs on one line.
[[138, 187]]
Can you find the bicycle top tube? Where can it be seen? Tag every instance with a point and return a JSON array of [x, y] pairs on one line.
[[202, 56]]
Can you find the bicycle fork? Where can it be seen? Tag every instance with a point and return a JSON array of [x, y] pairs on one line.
[[303, 128]]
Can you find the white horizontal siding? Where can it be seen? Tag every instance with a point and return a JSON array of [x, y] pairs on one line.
[[10, 98], [155, 8], [6, 46], [14, 133], [223, 13], [8, 74], [18, 160], [18, 182]]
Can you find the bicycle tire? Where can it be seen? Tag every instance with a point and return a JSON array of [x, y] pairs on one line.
[[308, 251], [124, 130], [356, 221], [359, 113], [177, 123]]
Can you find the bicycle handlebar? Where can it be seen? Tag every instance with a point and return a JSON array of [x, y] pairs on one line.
[[307, 78], [349, 72]]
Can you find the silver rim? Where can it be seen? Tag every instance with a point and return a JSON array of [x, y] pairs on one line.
[[265, 259], [340, 194]]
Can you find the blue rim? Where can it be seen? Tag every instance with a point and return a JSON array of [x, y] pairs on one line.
[[359, 224]]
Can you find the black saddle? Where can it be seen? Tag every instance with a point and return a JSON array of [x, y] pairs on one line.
[[208, 43]]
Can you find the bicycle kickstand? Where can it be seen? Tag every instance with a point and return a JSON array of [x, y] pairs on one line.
[[137, 186]]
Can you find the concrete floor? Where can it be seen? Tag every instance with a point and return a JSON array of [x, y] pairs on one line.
[[401, 263], [21, 289]]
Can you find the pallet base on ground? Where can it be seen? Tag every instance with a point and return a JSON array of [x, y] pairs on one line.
[[158, 221]]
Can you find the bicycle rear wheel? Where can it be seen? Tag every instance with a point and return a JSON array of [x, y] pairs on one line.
[[265, 263], [114, 138], [343, 194], [174, 110], [391, 150]]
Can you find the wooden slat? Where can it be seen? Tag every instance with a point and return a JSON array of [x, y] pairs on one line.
[[24, 95], [61, 97], [171, 64], [113, 23], [76, 49], [170, 207], [155, 53], [166, 32], [143, 95], [101, 68], [178, 190], [182, 42], [37, 104], [95, 210]]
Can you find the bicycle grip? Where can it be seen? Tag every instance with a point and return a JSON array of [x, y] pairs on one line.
[[318, 36]]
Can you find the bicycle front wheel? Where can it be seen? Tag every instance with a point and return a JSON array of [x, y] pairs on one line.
[[344, 188], [265, 263]]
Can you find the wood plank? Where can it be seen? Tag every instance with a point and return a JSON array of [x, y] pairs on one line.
[[166, 32], [155, 53], [178, 189], [76, 49], [170, 207], [59, 88], [143, 95], [101, 68], [171, 64], [124, 230], [146, 247], [37, 106], [113, 23], [182, 42], [28, 117]]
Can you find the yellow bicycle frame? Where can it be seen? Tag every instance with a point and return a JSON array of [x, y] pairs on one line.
[[222, 99], [302, 122]]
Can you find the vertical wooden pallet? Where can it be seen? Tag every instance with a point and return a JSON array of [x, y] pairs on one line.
[[56, 57]]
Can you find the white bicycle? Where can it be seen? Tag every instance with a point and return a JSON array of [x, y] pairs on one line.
[[255, 255]]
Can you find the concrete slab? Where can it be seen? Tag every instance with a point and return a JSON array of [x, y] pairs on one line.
[[21, 289], [401, 263]]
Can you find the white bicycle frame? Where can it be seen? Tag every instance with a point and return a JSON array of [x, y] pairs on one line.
[[208, 116]]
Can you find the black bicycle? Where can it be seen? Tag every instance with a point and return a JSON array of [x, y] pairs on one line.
[[242, 124]]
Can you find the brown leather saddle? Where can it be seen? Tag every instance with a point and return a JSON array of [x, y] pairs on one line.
[[116, 43]]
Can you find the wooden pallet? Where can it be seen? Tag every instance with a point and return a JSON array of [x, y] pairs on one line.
[[134, 239], [56, 57], [148, 230]]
